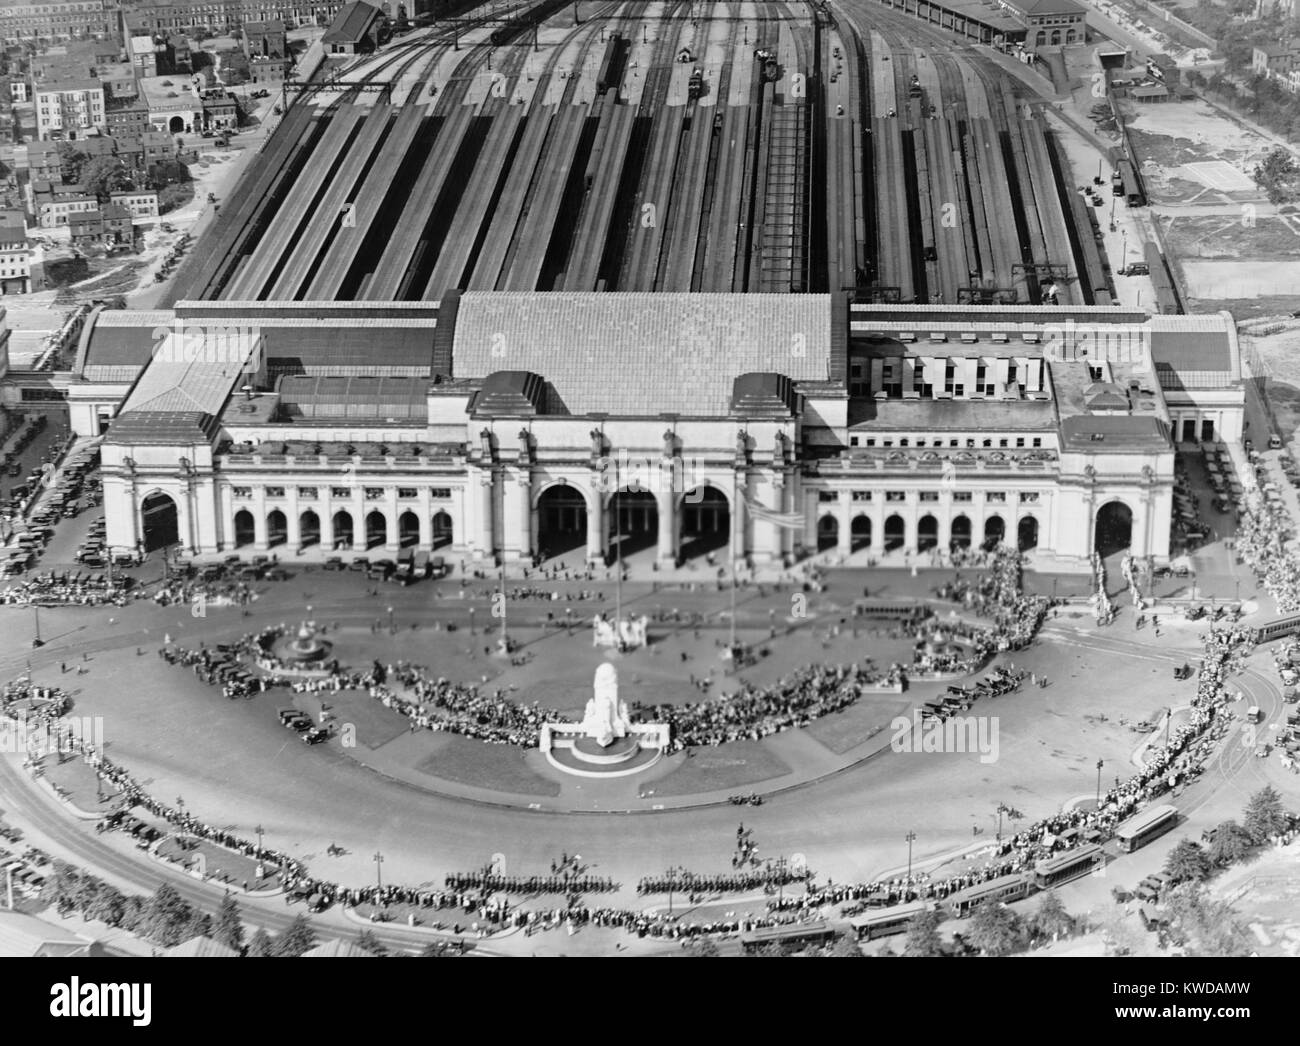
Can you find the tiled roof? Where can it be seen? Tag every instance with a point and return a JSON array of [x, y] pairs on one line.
[[182, 380], [351, 23], [201, 948], [162, 427], [1116, 432], [1038, 8], [642, 354], [953, 415], [356, 399], [340, 343]]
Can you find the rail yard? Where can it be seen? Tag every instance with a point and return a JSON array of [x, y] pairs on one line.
[[660, 146]]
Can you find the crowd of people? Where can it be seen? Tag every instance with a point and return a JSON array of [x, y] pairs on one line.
[[997, 593], [529, 884], [62, 588], [25, 700], [219, 592], [724, 882], [1261, 542]]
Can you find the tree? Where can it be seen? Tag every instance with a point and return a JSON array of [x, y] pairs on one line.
[[133, 913], [845, 946], [368, 942], [1265, 816], [261, 945], [229, 930], [1186, 863], [1051, 919], [1123, 935], [104, 175], [199, 925], [921, 938], [703, 948], [1202, 926], [297, 939], [1231, 843], [166, 916], [60, 889], [108, 906], [997, 930], [71, 161]]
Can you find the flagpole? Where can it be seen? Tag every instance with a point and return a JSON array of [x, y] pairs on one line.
[[735, 500]]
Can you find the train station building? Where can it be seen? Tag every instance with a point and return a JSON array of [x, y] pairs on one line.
[[506, 426]]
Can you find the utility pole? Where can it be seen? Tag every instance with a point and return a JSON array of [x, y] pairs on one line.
[[911, 838], [379, 869], [1100, 764]]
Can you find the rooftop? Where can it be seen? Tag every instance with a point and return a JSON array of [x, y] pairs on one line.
[[352, 23], [642, 354]]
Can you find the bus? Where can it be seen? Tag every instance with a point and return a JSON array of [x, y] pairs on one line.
[[1070, 865], [1004, 889], [884, 922], [1141, 828], [789, 936]]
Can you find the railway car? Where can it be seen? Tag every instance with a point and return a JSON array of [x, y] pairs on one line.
[[695, 88], [1003, 890]]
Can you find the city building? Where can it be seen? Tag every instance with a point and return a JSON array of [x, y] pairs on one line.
[[1280, 63], [16, 257], [144, 56], [268, 72], [128, 119], [68, 109], [219, 16], [174, 106], [220, 112], [53, 209], [138, 203], [504, 425], [357, 29], [1050, 23], [265, 40], [119, 82], [177, 52], [57, 20], [44, 162]]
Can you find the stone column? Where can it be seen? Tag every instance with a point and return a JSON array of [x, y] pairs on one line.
[[392, 533], [325, 509], [843, 515], [595, 524], [425, 511], [811, 511], [259, 518], [666, 500], [487, 540], [525, 492], [292, 529]]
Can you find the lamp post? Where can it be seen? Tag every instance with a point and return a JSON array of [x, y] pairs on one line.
[[379, 869], [1100, 764], [36, 614], [911, 838], [471, 621], [259, 830], [390, 620]]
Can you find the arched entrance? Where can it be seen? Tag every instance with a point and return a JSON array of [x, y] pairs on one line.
[[442, 529], [960, 532], [895, 532], [159, 518], [1114, 530], [1027, 533], [1041, 39], [828, 533], [408, 529], [245, 532], [309, 529], [342, 529], [1056, 37], [176, 125], [706, 521], [994, 531], [1070, 36], [633, 522], [376, 529], [277, 528], [860, 533], [561, 521], [927, 533]]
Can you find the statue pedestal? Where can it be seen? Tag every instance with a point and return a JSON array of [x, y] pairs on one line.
[[620, 750]]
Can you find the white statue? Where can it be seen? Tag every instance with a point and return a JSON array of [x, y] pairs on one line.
[[606, 716]]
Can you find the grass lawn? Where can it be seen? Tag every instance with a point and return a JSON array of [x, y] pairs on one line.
[[76, 781], [221, 864], [843, 731], [726, 766], [499, 767]]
